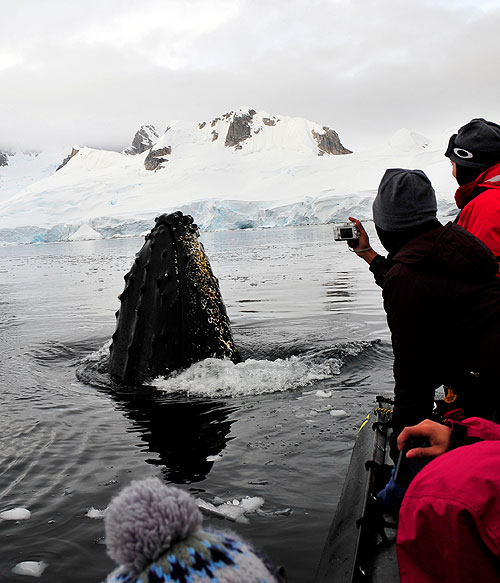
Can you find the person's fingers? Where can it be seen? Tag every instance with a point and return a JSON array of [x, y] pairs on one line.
[[420, 452], [419, 430]]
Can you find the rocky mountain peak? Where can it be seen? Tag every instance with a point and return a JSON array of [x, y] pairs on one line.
[[73, 153], [144, 139], [238, 130], [329, 142]]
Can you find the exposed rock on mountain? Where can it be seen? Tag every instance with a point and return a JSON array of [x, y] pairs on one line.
[[156, 158], [74, 152], [240, 129], [329, 142], [4, 159], [144, 139], [245, 123]]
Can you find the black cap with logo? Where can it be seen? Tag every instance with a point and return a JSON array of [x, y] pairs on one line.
[[476, 145]]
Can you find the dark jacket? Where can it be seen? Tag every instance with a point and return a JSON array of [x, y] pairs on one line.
[[442, 300]]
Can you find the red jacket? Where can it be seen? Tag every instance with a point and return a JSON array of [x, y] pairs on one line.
[[480, 204], [449, 522]]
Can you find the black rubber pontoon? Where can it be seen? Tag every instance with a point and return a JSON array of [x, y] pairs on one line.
[[361, 546]]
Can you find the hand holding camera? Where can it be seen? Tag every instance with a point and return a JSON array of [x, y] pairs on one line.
[[346, 232]]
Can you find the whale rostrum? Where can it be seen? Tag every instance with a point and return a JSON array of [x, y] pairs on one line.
[[171, 313]]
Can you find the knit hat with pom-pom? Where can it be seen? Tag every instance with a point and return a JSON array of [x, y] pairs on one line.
[[154, 533]]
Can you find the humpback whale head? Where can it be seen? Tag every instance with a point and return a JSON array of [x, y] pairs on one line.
[[171, 313]]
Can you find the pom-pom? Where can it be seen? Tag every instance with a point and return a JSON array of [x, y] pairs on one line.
[[145, 519]]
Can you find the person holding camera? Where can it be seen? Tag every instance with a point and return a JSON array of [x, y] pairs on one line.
[[442, 300], [452, 505]]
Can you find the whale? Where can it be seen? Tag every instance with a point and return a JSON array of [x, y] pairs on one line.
[[171, 312]]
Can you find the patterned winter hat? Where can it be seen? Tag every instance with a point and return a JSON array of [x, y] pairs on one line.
[[154, 534]]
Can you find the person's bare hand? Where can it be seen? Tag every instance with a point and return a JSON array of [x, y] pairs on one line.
[[438, 435], [364, 241]]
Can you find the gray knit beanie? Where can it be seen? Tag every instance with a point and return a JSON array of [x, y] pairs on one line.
[[154, 533], [405, 199]]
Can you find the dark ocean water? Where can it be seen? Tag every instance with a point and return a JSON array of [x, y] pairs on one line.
[[279, 426]]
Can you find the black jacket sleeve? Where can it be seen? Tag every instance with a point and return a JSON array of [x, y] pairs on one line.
[[415, 342]]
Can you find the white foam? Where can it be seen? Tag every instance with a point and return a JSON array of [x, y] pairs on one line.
[[222, 378]]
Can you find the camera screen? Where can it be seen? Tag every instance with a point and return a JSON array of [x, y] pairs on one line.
[[346, 233]]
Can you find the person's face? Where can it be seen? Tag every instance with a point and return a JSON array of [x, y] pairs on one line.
[[454, 170]]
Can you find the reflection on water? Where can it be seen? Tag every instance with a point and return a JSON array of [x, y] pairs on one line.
[[182, 433]]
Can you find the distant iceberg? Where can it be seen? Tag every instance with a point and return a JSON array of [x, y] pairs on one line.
[[85, 233]]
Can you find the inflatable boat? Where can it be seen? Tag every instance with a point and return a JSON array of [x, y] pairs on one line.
[[361, 543]]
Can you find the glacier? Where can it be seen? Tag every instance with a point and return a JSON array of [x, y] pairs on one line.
[[274, 171]]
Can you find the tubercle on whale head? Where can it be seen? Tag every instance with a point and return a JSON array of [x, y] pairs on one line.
[[172, 313]]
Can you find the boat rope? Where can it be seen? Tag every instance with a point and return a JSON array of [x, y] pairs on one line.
[[383, 411]]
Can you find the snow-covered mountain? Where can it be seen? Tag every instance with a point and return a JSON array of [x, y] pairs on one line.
[[243, 169]]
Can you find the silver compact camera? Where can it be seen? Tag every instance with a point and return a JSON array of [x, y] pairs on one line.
[[345, 232]]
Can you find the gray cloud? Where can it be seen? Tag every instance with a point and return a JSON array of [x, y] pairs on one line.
[[92, 72]]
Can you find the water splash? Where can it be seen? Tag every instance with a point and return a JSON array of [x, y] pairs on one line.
[[222, 378]]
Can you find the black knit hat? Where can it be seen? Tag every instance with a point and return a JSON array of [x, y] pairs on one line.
[[405, 200], [477, 144]]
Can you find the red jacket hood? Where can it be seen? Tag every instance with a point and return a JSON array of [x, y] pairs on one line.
[[488, 179]]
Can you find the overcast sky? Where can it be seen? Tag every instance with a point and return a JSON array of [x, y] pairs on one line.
[[91, 72]]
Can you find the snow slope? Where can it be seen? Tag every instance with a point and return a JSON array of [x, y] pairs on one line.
[[271, 172], [25, 168]]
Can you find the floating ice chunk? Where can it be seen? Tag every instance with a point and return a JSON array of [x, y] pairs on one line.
[[323, 409], [233, 509], [95, 512], [17, 513], [252, 504], [338, 413], [325, 394], [31, 568], [209, 508], [213, 458], [281, 512]]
